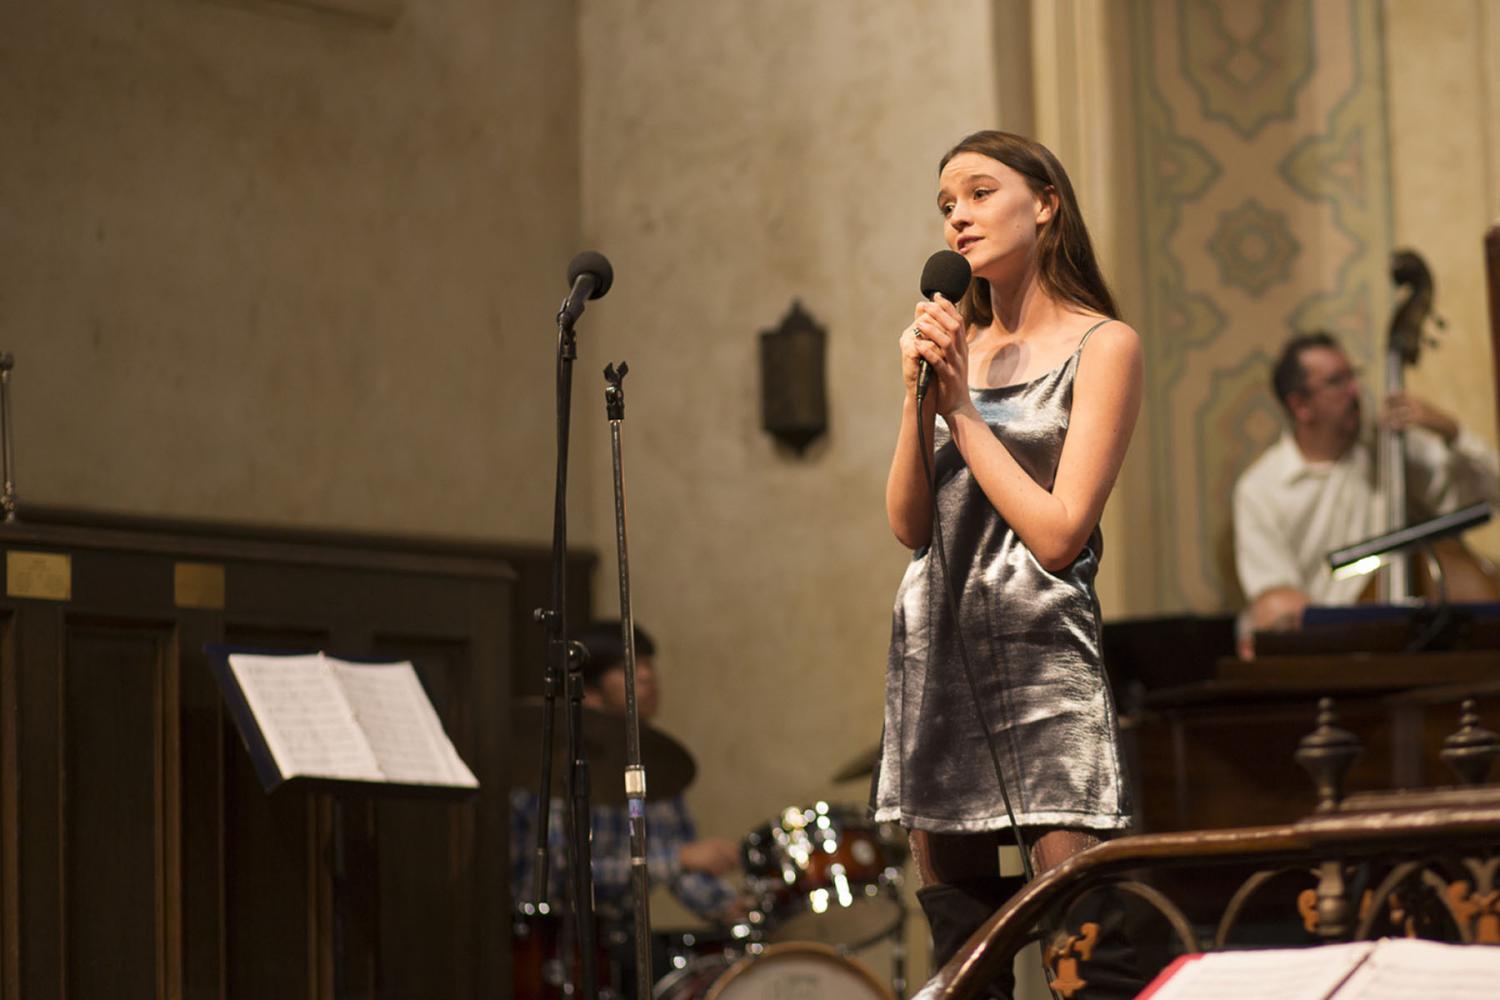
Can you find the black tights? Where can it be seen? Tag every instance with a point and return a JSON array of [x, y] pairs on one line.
[[961, 886], [958, 857]]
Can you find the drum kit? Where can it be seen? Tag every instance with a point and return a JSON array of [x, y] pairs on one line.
[[822, 882]]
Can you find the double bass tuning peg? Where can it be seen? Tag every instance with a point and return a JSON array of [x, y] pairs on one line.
[[1433, 329]]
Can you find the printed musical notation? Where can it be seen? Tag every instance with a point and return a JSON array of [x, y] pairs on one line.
[[1389, 969], [322, 717]]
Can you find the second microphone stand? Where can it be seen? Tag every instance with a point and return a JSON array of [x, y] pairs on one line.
[[635, 771]]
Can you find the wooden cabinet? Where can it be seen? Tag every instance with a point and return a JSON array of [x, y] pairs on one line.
[[1221, 752]]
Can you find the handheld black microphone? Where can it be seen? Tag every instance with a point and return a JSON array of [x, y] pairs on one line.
[[589, 277], [946, 272]]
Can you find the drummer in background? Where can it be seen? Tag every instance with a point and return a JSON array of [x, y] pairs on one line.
[[1315, 489], [692, 868]]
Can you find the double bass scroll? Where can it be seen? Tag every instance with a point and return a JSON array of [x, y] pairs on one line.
[[1452, 571]]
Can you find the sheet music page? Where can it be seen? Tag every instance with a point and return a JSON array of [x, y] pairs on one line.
[[1270, 974], [304, 717], [404, 730], [1399, 969]]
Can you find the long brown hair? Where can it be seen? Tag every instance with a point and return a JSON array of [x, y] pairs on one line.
[[1066, 264]]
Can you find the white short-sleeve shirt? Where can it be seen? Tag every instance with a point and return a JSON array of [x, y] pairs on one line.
[[1289, 513]]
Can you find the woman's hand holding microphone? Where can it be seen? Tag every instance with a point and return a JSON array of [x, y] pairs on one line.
[[936, 337]]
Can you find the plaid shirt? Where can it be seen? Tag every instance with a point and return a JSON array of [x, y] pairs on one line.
[[668, 828]]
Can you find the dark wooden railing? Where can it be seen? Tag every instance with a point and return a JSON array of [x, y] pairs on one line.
[[1426, 861]]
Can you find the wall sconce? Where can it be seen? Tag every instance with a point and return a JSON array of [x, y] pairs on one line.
[[793, 403]]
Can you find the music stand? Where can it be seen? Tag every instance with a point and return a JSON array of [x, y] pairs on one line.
[[338, 725], [1372, 553]]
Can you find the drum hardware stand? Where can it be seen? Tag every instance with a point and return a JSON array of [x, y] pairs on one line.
[[7, 446], [898, 940], [635, 771], [890, 883], [564, 668]]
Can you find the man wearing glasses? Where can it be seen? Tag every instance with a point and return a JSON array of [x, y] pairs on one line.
[[1316, 489]]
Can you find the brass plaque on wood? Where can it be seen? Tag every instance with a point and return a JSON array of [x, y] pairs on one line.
[[198, 585], [46, 576]]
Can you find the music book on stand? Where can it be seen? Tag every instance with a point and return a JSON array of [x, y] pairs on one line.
[[1388, 969], [337, 724]]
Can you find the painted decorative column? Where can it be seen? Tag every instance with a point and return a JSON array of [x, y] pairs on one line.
[[1265, 209]]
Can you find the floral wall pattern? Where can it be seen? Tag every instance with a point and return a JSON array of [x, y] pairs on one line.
[[1264, 171]]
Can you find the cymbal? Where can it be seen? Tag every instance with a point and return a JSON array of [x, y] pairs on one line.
[[860, 766], [669, 767]]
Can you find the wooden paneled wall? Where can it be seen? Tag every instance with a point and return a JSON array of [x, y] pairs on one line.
[[140, 857]]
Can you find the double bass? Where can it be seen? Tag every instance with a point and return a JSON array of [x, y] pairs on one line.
[[1450, 570]]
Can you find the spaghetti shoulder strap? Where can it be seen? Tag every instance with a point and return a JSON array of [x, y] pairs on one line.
[[1090, 332]]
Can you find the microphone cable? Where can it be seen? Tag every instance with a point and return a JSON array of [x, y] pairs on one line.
[[963, 646], [963, 654]]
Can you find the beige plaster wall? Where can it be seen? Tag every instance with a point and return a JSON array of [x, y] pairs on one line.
[[737, 157], [1444, 99], [263, 263], [1489, 35]]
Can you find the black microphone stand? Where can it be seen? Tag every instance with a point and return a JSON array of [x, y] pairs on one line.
[[564, 663], [635, 771]]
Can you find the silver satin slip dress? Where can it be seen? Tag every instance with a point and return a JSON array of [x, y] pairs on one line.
[[1033, 641]]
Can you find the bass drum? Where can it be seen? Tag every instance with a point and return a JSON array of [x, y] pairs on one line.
[[796, 970]]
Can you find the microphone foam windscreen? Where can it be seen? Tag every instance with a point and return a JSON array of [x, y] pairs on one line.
[[946, 272], [595, 263]]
